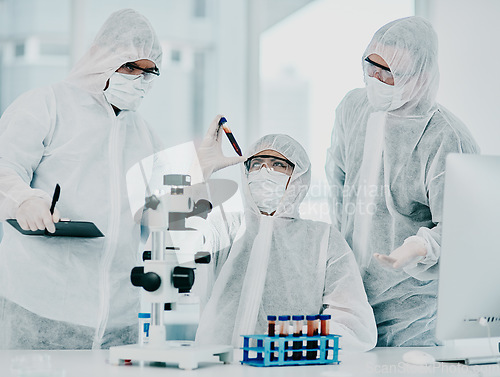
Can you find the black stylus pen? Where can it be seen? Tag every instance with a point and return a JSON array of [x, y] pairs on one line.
[[55, 198]]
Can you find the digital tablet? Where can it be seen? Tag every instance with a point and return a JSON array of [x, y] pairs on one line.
[[63, 229]]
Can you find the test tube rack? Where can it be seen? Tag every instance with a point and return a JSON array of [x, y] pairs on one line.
[[277, 351]]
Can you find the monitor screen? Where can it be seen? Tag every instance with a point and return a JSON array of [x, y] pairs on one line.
[[469, 280]]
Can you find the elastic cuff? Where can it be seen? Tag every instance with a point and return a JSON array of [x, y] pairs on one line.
[[417, 239], [420, 241], [34, 193]]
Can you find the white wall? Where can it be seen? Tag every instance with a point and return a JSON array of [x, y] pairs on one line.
[[469, 48]]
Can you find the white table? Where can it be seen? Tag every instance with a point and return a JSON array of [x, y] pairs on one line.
[[378, 362]]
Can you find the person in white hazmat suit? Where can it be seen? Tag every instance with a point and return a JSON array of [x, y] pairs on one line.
[[269, 261], [385, 167], [84, 134]]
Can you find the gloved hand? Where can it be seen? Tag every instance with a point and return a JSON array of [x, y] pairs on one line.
[[210, 151], [410, 252], [34, 214]]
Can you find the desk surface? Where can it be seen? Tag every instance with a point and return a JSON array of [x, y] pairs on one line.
[[380, 361]]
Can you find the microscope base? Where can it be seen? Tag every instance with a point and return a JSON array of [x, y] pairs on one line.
[[185, 354]]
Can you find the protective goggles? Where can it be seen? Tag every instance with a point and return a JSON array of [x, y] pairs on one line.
[[384, 73], [148, 74], [278, 164]]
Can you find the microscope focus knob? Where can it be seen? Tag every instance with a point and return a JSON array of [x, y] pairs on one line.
[[183, 278], [150, 281]]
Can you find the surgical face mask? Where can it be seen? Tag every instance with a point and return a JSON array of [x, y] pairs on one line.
[[126, 92], [267, 188], [383, 97]]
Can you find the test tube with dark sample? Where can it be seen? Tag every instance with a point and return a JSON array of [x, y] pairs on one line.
[[271, 331], [325, 328], [298, 322], [283, 326], [312, 330], [271, 325], [230, 136]]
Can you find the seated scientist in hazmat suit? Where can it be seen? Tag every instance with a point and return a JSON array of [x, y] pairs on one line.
[[83, 133], [269, 261], [386, 167]]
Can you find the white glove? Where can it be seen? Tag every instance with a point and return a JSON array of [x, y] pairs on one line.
[[413, 250], [34, 214], [210, 153]]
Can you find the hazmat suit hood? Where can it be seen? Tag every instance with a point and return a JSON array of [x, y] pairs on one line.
[[68, 133], [126, 36], [281, 264], [386, 171], [410, 48], [299, 181]]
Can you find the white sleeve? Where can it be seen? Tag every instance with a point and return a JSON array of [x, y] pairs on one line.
[[335, 170], [13, 192], [427, 268], [25, 130], [219, 232], [345, 299]]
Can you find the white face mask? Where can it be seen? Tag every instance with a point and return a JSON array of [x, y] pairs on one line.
[[267, 188], [126, 92], [383, 97]]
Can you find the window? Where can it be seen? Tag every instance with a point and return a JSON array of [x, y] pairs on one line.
[[309, 61]]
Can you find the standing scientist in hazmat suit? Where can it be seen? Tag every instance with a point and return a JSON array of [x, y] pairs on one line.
[[269, 261], [84, 134], [385, 167]]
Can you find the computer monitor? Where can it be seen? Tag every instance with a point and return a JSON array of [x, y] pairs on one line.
[[469, 280]]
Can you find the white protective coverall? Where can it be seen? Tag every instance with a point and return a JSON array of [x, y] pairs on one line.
[[386, 173], [68, 133], [283, 265]]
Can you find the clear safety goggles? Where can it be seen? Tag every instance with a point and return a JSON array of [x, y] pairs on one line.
[[278, 164], [148, 74], [383, 73]]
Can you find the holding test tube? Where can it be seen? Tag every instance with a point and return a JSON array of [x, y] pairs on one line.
[[230, 136]]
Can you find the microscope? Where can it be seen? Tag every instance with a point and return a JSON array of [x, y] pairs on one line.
[[164, 278]]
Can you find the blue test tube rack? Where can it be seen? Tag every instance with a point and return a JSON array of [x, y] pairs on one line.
[[277, 351]]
